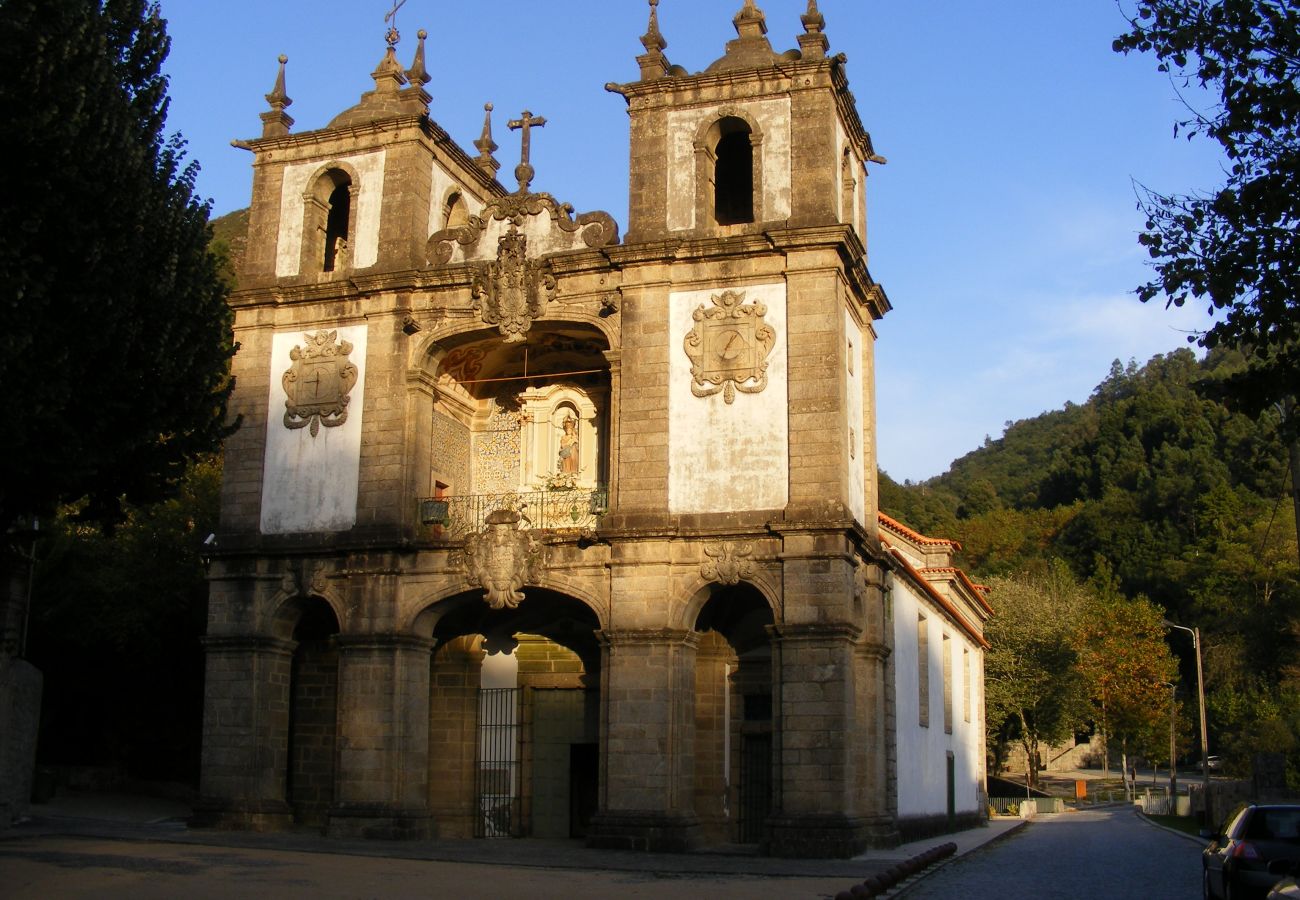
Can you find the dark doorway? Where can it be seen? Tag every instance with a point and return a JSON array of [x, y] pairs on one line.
[[584, 796]]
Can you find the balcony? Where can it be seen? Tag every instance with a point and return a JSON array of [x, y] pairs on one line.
[[560, 509]]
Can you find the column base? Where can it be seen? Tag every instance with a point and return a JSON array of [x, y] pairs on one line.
[[378, 822], [824, 837], [255, 815], [651, 832]]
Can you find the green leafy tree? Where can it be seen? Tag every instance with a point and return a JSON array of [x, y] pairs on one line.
[[1236, 248], [1126, 665], [1033, 688], [116, 624], [114, 331]]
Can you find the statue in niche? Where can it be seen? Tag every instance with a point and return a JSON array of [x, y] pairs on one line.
[[567, 463]]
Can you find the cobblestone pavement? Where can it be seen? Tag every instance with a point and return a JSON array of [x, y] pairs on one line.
[[60, 867], [1109, 853]]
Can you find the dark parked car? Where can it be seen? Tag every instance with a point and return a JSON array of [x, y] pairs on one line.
[[1237, 862]]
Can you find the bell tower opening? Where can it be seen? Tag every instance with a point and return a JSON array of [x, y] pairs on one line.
[[733, 173], [339, 207]]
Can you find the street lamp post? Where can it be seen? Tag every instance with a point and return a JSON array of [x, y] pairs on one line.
[[1205, 740]]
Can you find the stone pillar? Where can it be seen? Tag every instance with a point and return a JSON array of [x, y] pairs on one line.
[[647, 724], [245, 733], [818, 811], [453, 731], [713, 806], [382, 788]]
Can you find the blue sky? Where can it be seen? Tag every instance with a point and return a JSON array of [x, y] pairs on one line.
[[1003, 227]]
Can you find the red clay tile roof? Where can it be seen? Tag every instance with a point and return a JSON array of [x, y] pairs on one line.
[[939, 598], [915, 536]]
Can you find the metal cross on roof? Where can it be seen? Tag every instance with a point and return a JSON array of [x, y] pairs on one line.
[[390, 19], [526, 122]]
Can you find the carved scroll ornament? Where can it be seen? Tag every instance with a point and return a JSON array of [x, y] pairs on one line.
[[318, 382], [729, 346], [501, 559], [727, 563]]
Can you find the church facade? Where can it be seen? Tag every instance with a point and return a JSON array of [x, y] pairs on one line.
[[536, 529]]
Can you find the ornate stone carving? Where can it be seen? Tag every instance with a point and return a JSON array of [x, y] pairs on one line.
[[598, 228], [512, 291], [502, 559], [729, 346], [318, 382], [727, 563]]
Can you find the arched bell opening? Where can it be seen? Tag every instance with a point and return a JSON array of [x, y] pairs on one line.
[[734, 771], [514, 717], [312, 710], [521, 426]]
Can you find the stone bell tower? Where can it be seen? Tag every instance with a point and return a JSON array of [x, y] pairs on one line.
[[747, 417]]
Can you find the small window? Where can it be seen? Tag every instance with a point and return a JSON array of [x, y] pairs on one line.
[[456, 212], [946, 657], [733, 173], [923, 669]]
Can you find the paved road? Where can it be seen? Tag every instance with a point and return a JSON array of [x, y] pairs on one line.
[[62, 868], [1109, 853]]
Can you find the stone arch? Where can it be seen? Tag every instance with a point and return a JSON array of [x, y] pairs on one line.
[[329, 224], [729, 168], [701, 590], [480, 783], [289, 604], [455, 209]]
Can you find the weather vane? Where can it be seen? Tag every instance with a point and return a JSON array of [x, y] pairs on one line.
[[391, 21]]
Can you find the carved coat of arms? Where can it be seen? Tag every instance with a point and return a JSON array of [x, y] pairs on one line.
[[318, 382], [512, 291], [728, 347], [501, 559]]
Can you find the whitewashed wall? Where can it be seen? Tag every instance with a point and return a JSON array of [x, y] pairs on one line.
[[922, 752], [369, 193], [727, 457], [310, 483]]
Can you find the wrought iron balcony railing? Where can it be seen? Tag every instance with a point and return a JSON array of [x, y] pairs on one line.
[[564, 509]]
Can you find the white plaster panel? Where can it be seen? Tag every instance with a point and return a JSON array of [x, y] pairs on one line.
[[773, 118], [369, 194], [310, 483], [441, 187], [922, 752], [725, 457], [855, 450]]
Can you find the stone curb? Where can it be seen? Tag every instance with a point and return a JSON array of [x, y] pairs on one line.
[[1201, 841]]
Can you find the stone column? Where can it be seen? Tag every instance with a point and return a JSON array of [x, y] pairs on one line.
[[818, 811], [647, 726], [453, 734], [245, 733], [383, 742]]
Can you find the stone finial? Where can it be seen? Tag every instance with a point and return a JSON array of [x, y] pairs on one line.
[[417, 74], [813, 43], [750, 21], [276, 122], [653, 62], [486, 146]]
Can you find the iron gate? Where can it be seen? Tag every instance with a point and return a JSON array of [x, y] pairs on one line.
[[496, 780]]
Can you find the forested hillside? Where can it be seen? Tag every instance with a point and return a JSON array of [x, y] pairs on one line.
[[1151, 489]]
